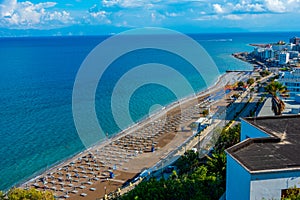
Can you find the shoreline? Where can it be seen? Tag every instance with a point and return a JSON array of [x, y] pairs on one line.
[[155, 115]]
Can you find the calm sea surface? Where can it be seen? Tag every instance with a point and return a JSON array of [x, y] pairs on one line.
[[36, 81]]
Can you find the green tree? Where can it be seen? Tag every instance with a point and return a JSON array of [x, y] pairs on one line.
[[228, 138], [1, 195], [264, 73], [188, 162], [241, 84], [250, 81], [174, 175], [275, 89], [217, 165], [31, 194], [236, 95], [205, 112], [292, 194]]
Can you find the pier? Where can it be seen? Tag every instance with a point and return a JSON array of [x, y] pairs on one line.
[[227, 71]]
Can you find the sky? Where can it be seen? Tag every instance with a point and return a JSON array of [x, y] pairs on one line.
[[101, 17]]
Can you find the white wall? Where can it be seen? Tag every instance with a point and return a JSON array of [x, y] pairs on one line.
[[249, 131], [269, 186], [237, 181]]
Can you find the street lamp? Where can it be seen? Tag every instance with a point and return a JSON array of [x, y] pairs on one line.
[[199, 146], [162, 167]]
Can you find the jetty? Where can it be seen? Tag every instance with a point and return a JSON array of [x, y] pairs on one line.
[[228, 71]]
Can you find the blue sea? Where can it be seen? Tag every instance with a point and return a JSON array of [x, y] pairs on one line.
[[37, 75]]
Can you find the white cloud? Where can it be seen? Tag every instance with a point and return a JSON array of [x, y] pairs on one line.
[[244, 7], [29, 15], [256, 6], [97, 16], [153, 16], [124, 3], [218, 8], [173, 14], [241, 6], [100, 17], [7, 7], [275, 5], [139, 13], [233, 17], [59, 16], [207, 18], [282, 6], [109, 3]]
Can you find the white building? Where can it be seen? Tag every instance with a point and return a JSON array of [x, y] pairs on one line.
[[296, 48], [294, 54], [280, 47], [292, 81], [295, 40], [267, 160], [284, 58], [269, 53], [264, 53]]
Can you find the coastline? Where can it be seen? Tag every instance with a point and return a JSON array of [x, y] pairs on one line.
[[221, 81], [122, 133]]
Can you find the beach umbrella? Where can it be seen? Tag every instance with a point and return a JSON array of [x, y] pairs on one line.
[[36, 185], [53, 182], [82, 187], [89, 183]]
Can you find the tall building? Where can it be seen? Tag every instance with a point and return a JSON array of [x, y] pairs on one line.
[[267, 160], [284, 58], [268, 54], [296, 48], [264, 53], [292, 81], [281, 47], [295, 40], [294, 54]]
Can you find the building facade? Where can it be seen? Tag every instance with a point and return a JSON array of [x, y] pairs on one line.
[[294, 54], [296, 48], [291, 80], [295, 40], [284, 58], [267, 160], [264, 53]]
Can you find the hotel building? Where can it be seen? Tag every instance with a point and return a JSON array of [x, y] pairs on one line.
[[292, 81], [267, 160]]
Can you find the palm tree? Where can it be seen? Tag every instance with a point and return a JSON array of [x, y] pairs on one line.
[[217, 164], [274, 89]]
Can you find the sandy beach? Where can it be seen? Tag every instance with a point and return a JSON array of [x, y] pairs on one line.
[[106, 167]]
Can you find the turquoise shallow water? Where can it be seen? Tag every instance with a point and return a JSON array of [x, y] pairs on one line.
[[36, 81]]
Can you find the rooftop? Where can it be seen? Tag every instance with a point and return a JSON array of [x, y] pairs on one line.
[[280, 151]]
